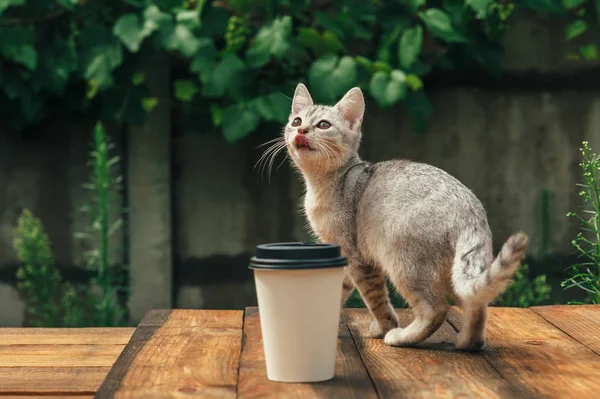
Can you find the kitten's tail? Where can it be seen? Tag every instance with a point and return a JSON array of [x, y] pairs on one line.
[[503, 268], [494, 279]]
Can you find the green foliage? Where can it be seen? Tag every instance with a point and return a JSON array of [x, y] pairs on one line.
[[39, 280], [524, 292], [576, 28], [236, 56], [586, 274], [99, 302]]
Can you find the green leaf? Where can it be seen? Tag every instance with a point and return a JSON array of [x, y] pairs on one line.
[[331, 76], [4, 4], [414, 82], [310, 38], [179, 38], [216, 114], [189, 18], [576, 28], [273, 107], [215, 21], [589, 51], [24, 55], [328, 22], [384, 53], [56, 64], [149, 103], [238, 122], [104, 60], [138, 78], [440, 25], [382, 66], [416, 4], [185, 89], [388, 88], [331, 43], [205, 59], [130, 31], [410, 46], [272, 40], [364, 62], [227, 76], [481, 7], [569, 4], [154, 18], [554, 6], [170, 4]]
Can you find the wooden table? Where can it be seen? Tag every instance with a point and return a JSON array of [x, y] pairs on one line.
[[549, 352]]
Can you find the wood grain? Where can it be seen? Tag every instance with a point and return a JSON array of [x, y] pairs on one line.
[[51, 380], [532, 354], [47, 397], [581, 322], [65, 336], [47, 361], [179, 353], [59, 355], [434, 369], [351, 378]]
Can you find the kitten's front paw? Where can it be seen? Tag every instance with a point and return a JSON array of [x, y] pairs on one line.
[[377, 331]]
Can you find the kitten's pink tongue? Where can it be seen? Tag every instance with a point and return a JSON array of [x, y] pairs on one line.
[[301, 140]]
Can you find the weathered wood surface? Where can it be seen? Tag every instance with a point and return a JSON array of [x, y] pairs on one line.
[[179, 352], [52, 362], [580, 322], [538, 358], [433, 369], [543, 352]]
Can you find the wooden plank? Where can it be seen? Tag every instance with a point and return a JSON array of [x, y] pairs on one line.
[[65, 336], [179, 352], [433, 369], [47, 397], [529, 352], [58, 355], [51, 380], [581, 322], [351, 377]]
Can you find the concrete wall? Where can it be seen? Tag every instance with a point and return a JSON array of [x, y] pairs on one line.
[[512, 147]]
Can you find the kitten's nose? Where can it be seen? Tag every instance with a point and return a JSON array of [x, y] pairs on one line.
[[301, 131]]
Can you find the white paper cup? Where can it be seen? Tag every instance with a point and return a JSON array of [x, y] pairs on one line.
[[299, 290]]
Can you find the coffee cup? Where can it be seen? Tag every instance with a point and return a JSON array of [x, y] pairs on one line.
[[299, 291]]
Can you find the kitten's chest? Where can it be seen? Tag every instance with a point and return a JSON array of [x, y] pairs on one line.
[[327, 218]]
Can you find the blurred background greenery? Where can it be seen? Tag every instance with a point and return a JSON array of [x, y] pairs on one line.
[[501, 93]]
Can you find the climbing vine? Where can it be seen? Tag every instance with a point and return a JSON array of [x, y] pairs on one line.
[[234, 61]]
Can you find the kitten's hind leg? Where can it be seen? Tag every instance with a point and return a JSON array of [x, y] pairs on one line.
[[371, 284], [429, 316], [472, 333], [347, 289]]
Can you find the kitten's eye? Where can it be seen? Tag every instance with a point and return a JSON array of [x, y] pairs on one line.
[[324, 125], [296, 122]]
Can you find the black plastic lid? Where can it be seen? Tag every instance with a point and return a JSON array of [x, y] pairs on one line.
[[297, 255]]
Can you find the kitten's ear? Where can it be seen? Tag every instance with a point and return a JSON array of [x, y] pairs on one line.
[[352, 107], [302, 99]]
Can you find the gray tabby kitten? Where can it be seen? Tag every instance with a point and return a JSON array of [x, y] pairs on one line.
[[407, 221]]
